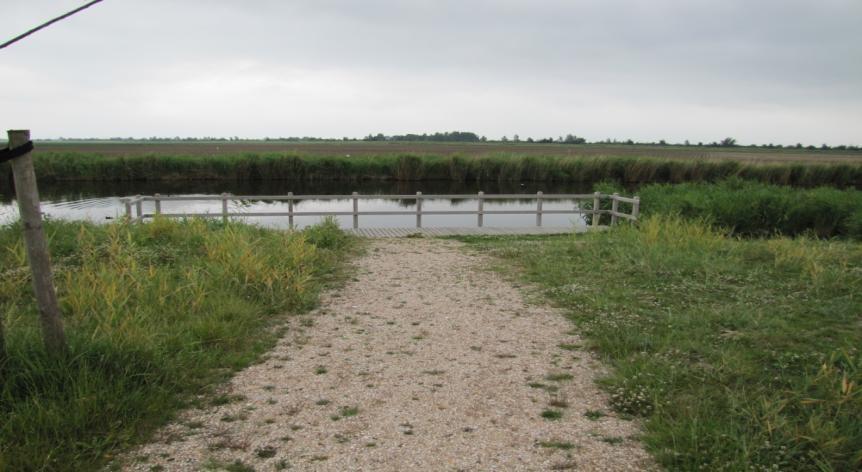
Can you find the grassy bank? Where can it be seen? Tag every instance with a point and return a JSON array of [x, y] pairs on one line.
[[482, 168], [756, 209], [154, 313], [738, 354]]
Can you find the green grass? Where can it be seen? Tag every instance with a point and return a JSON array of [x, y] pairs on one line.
[[551, 414], [499, 167], [155, 315], [738, 354]]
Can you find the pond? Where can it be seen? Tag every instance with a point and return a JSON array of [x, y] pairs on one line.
[[100, 201]]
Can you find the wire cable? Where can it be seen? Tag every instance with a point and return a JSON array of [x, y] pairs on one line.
[[48, 23]]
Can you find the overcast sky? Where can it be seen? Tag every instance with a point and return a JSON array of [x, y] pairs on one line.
[[762, 71]]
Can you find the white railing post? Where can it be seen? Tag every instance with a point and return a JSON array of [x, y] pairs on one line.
[[539, 208], [418, 209], [636, 208], [157, 199], [127, 202], [481, 211], [355, 210], [596, 204], [224, 207], [290, 209], [139, 208], [615, 205]]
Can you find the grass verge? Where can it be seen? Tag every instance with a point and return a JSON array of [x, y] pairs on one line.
[[738, 354], [155, 315]]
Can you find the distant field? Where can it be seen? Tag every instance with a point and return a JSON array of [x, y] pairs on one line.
[[204, 148]]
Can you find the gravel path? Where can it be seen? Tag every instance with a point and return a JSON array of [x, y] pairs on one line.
[[425, 361]]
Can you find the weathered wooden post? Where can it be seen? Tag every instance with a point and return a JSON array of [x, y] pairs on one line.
[[539, 208], [37, 248], [615, 205], [157, 199], [418, 209], [636, 208], [355, 210], [127, 202], [481, 216], [139, 208], [224, 207], [290, 209], [596, 204], [2, 341]]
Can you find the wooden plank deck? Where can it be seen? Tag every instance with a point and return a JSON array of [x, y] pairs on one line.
[[464, 231]]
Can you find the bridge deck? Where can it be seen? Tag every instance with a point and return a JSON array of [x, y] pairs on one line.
[[466, 231]]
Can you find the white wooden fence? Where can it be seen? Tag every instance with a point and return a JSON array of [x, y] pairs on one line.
[[134, 206]]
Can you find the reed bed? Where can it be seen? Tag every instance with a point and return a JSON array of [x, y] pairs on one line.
[[753, 209], [71, 166], [155, 315]]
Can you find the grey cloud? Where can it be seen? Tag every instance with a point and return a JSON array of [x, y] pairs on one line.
[[746, 61]]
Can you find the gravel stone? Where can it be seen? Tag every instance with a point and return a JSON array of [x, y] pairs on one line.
[[422, 362]]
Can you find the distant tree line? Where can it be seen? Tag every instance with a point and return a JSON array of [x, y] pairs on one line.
[[445, 137], [470, 137]]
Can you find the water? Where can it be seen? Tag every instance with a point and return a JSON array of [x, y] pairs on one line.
[[100, 202]]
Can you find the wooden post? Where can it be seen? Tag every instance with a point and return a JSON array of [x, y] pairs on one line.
[[355, 210], [596, 203], [481, 216], [157, 199], [37, 248], [418, 209], [139, 208], [636, 208], [290, 209], [539, 208], [615, 205], [224, 197], [127, 202], [2, 341]]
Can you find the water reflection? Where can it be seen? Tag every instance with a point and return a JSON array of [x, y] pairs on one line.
[[101, 201]]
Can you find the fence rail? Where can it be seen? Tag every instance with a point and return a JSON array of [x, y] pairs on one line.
[[135, 213]]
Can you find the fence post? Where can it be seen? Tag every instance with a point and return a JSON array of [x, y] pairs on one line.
[[127, 202], [481, 211], [355, 210], [224, 207], [539, 208], [636, 208], [139, 208], [290, 209], [157, 199], [27, 194], [596, 204], [615, 205], [418, 209]]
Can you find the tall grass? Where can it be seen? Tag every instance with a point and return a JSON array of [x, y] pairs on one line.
[[154, 314], [496, 167], [757, 209], [738, 354]]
